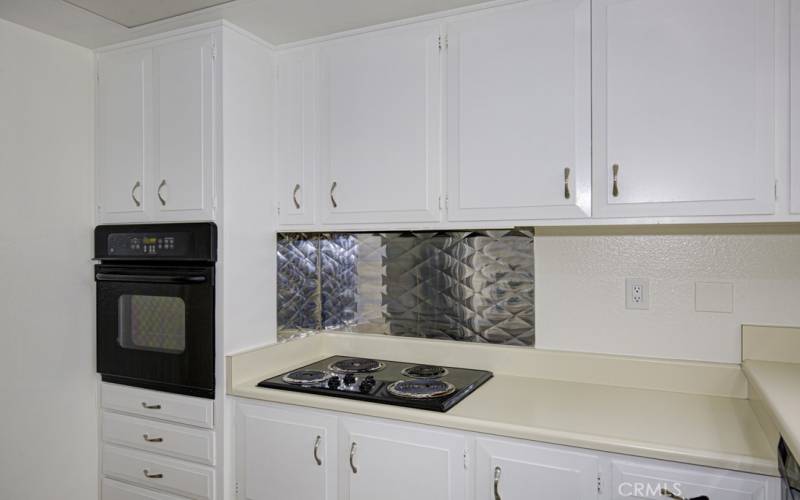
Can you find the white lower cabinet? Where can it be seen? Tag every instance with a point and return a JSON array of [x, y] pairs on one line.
[[283, 453], [641, 478], [513, 470], [289, 452], [400, 462], [114, 490]]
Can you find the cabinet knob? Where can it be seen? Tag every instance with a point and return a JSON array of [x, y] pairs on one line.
[[152, 439], [615, 186], [333, 200], [150, 407], [567, 194], [497, 472], [294, 196], [148, 475], [133, 194], [161, 196]]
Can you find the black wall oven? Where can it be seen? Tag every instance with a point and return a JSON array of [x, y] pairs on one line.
[[155, 306]]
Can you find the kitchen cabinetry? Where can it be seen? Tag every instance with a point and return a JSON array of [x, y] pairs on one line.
[[519, 113], [155, 122], [380, 137], [399, 462], [683, 101], [285, 453], [124, 115], [510, 470], [295, 136]]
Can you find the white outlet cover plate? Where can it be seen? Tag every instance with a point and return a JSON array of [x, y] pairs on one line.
[[630, 303]]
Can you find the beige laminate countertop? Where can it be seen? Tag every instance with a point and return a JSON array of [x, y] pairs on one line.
[[714, 431], [779, 387]]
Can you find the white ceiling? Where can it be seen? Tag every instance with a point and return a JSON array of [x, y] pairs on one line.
[[276, 21]]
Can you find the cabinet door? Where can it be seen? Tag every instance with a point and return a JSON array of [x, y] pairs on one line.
[[795, 106], [520, 471], [184, 114], [519, 113], [295, 131], [400, 462], [124, 121], [285, 453], [683, 103], [380, 127]]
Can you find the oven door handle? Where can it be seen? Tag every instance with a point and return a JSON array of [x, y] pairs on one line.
[[143, 278]]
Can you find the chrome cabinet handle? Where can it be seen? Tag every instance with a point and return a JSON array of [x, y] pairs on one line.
[[152, 476], [567, 194], [352, 458], [316, 450], [497, 472], [150, 407], [294, 196], [615, 186], [666, 493], [333, 200], [152, 439], [160, 196], [133, 194]]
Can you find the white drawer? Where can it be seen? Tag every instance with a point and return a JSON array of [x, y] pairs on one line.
[[114, 490], [158, 472], [173, 407], [187, 443], [644, 479]]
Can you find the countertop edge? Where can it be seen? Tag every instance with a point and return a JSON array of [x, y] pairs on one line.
[[751, 370]]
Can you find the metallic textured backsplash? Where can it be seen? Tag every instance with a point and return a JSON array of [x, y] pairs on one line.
[[461, 285]]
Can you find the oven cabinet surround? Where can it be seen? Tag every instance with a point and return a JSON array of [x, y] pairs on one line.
[[156, 445], [680, 95], [519, 113], [363, 458], [156, 110], [684, 107]]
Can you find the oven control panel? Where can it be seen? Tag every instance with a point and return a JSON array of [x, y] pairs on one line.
[[148, 245]]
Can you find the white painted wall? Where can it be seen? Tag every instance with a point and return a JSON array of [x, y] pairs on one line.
[[48, 420], [580, 288]]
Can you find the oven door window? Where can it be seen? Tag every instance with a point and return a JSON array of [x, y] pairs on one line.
[[152, 323]]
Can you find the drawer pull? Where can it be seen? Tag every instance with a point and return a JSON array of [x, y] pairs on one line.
[[497, 472], [666, 493], [148, 475], [316, 450], [152, 439], [150, 407]]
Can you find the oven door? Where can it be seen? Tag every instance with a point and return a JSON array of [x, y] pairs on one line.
[[155, 327]]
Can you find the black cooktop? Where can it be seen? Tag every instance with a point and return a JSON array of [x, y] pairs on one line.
[[426, 387]]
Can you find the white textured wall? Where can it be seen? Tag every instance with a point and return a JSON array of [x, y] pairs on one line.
[[48, 412], [580, 288]]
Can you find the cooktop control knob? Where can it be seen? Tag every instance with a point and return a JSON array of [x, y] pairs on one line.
[[333, 382], [366, 385], [349, 379]]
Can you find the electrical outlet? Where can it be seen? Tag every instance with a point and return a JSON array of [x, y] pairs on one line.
[[637, 293]]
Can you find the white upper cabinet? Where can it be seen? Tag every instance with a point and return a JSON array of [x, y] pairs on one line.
[[124, 104], [511, 470], [795, 106], [519, 113], [155, 131], [183, 128], [295, 139], [285, 454], [380, 137], [401, 462], [683, 103]]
